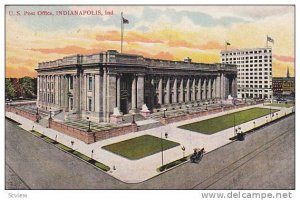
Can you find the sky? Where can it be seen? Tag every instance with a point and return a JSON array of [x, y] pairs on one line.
[[164, 32]]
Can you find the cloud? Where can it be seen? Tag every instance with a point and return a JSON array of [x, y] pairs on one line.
[[208, 45], [18, 72], [67, 50], [130, 36], [284, 58]]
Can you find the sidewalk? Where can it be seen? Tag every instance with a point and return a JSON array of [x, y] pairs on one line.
[[134, 171]]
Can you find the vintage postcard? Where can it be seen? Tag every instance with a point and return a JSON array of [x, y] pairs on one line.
[[150, 97]]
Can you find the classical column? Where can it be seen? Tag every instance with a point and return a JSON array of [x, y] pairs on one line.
[[133, 94], [111, 93], [194, 90], [46, 90], [104, 91], [81, 92], [160, 91], [167, 96], [97, 91], [209, 88], [187, 97], [118, 91], [204, 89], [140, 90], [222, 86], [199, 89], [181, 91], [234, 86], [38, 90], [218, 87], [174, 98], [66, 91], [226, 89], [213, 87]]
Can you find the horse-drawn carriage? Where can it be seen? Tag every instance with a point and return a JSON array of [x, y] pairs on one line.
[[197, 155]]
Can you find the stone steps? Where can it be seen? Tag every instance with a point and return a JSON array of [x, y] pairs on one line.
[[149, 126], [128, 118]]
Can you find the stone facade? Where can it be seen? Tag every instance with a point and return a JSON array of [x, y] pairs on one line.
[[94, 85]]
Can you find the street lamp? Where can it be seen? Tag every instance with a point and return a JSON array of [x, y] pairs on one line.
[[72, 143], [89, 129], [50, 113], [133, 121], [183, 151], [234, 123], [164, 112], [162, 151], [166, 135]]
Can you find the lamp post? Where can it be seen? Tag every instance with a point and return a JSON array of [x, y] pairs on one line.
[[37, 114], [72, 143], [50, 113], [183, 151], [162, 151], [270, 112], [166, 135], [234, 123], [89, 129], [164, 112], [133, 121]]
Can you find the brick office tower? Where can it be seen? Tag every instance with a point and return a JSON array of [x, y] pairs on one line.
[[254, 78], [95, 85]]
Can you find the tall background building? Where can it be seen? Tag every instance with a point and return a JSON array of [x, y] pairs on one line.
[[284, 86], [254, 78]]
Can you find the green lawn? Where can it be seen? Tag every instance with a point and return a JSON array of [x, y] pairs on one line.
[[220, 123], [140, 147], [285, 105]]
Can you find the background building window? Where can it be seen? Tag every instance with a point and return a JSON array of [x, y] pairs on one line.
[[71, 103]]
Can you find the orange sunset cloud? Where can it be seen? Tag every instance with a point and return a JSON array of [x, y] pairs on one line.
[[169, 33]]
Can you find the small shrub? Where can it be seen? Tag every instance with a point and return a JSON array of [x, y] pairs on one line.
[[102, 166], [63, 147], [82, 156], [172, 164]]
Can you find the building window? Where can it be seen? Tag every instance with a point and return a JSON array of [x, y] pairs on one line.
[[71, 103], [71, 83], [90, 83], [90, 104]]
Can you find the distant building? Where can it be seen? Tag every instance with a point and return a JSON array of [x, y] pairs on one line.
[[97, 85], [284, 86], [254, 79]]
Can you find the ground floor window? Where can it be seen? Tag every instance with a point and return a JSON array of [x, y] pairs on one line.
[[90, 104], [71, 103]]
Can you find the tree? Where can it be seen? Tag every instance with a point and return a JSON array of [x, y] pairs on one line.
[[28, 86], [10, 91]]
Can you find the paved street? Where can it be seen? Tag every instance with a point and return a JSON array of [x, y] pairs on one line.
[[264, 160]]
